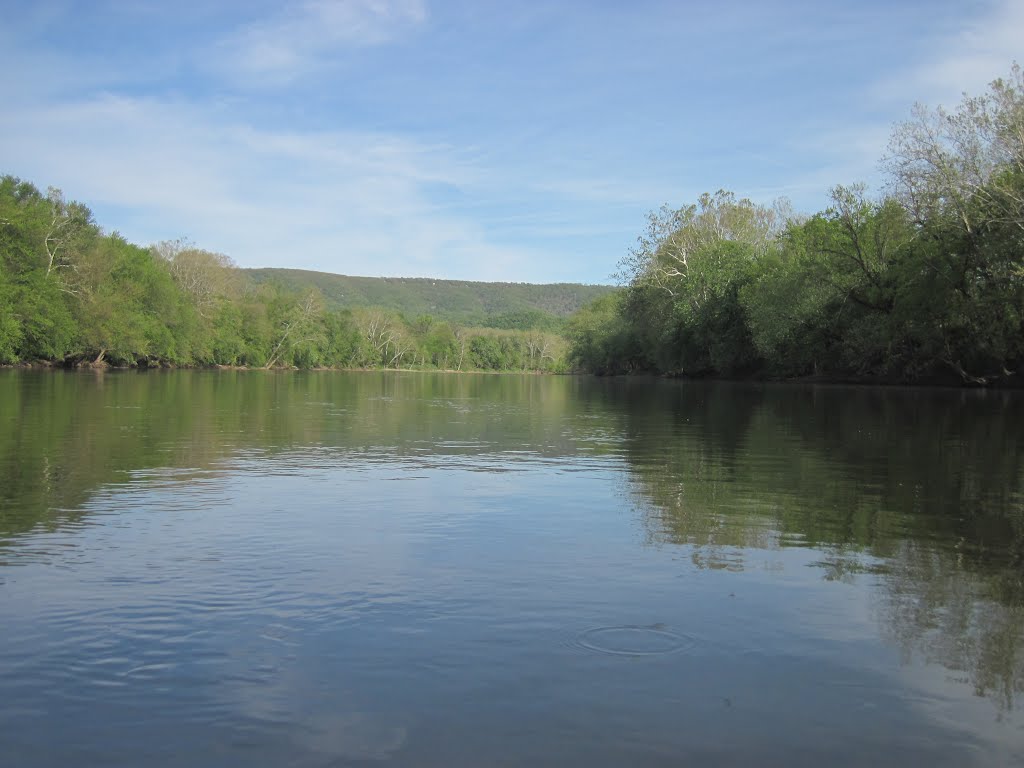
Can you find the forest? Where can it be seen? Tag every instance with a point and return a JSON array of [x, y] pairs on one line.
[[922, 283], [494, 305], [73, 295]]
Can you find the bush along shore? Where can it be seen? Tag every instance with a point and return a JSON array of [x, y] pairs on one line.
[[72, 296], [921, 284]]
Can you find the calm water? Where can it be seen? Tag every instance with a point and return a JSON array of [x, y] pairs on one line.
[[328, 569]]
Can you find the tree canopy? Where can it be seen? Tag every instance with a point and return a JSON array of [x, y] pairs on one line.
[[924, 282], [71, 294]]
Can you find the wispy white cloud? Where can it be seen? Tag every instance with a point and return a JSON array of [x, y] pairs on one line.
[[304, 35], [354, 203], [963, 60], [493, 143], [846, 154], [607, 189], [959, 60]]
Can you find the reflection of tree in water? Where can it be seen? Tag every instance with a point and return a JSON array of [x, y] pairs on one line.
[[687, 446], [931, 607], [919, 491], [67, 434]]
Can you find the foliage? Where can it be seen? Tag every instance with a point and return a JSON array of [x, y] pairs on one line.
[[512, 306], [925, 283], [72, 295], [922, 283]]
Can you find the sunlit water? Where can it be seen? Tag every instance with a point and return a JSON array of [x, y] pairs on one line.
[[330, 569]]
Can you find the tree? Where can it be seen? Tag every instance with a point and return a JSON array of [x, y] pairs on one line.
[[485, 353], [23, 209], [206, 278], [10, 326], [47, 327], [298, 330], [794, 311], [440, 345], [961, 174], [600, 338], [685, 275], [679, 245], [967, 164], [69, 225], [380, 332]]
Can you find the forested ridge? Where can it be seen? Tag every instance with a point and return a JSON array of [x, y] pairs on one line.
[[922, 283], [490, 304], [71, 294]]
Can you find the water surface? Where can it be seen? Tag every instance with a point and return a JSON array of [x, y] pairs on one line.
[[331, 569]]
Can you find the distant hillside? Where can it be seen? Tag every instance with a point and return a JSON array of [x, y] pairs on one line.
[[500, 305]]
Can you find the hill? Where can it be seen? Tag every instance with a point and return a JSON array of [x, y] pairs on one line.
[[497, 305]]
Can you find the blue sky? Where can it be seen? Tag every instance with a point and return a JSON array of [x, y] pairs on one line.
[[521, 141]]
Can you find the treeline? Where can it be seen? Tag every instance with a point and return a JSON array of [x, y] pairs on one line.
[[519, 306], [71, 294], [923, 283]]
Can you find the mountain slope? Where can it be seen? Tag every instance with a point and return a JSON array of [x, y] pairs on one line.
[[459, 301]]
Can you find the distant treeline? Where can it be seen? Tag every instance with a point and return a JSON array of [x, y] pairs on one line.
[[925, 283], [72, 295], [512, 306]]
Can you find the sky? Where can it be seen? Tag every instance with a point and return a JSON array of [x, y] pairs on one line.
[[466, 139]]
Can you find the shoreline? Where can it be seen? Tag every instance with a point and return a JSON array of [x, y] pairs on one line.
[[45, 365], [1005, 384]]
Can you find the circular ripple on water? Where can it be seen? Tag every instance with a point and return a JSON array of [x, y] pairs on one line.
[[633, 640]]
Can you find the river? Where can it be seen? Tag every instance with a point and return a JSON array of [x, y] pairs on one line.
[[208, 568]]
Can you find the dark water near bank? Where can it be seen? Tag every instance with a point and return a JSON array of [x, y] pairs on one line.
[[329, 569]]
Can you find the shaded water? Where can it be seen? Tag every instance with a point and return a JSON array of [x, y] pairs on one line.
[[326, 569]]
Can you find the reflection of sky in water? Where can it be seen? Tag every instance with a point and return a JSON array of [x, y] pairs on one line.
[[433, 599]]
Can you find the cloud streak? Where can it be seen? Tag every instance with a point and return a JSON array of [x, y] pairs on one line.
[[475, 141], [965, 60], [348, 202], [305, 36]]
